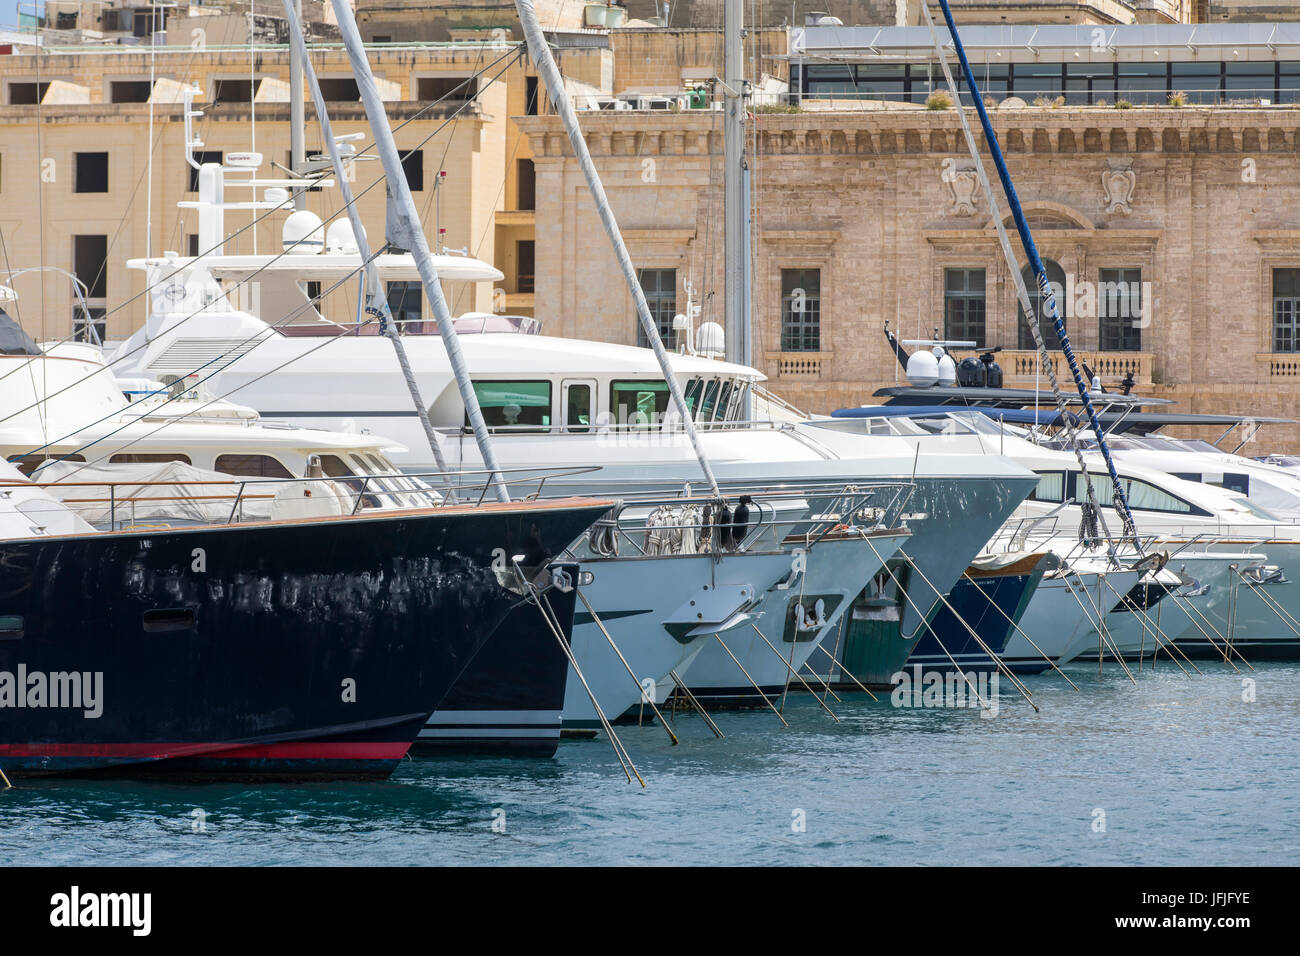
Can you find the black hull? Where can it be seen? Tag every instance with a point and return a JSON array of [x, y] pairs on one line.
[[287, 650], [510, 698]]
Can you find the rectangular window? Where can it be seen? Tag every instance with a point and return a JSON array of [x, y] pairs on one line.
[[129, 91], [1051, 487], [660, 288], [1249, 82], [435, 88], [530, 95], [340, 90], [638, 403], [963, 294], [151, 458], [413, 166], [90, 264], [516, 406], [251, 466], [406, 304], [525, 264], [202, 157], [192, 244], [801, 310], [27, 94], [1200, 81], [526, 184], [1119, 310], [91, 172], [93, 331], [1086, 83], [1032, 80], [1141, 83], [233, 91], [1286, 303], [577, 415]]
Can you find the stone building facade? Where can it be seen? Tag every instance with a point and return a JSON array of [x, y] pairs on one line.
[[1201, 207]]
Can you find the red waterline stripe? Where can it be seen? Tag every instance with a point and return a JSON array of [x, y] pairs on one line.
[[293, 750]]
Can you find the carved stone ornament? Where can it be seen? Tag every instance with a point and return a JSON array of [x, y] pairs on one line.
[[1118, 184], [964, 190]]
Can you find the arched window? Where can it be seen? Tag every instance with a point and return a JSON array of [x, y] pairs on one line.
[[1056, 278]]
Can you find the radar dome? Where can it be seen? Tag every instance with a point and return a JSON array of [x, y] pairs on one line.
[[339, 237], [710, 339], [303, 234], [922, 369]]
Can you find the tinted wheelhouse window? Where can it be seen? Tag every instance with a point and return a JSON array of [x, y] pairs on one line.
[[639, 403], [517, 406]]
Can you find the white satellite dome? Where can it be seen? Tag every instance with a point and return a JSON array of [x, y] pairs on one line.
[[710, 339], [340, 238], [947, 370], [922, 369], [303, 234]]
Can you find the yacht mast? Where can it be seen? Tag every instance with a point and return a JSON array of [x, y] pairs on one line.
[[375, 293], [735, 180], [407, 224], [550, 75], [297, 117]]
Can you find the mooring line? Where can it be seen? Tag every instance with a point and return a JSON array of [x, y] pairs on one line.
[[757, 689], [1021, 632], [694, 702], [644, 698], [908, 598], [796, 674]]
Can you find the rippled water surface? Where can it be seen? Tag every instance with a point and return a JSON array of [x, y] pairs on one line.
[[1174, 770]]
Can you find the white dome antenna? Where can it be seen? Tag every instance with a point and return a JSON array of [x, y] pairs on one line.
[[303, 234]]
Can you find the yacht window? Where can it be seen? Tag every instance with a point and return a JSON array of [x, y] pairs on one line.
[[577, 414], [710, 401], [336, 467], [11, 627], [515, 406], [151, 458], [694, 388], [1187, 475], [638, 403], [1237, 482], [251, 466], [1141, 495], [27, 463], [1051, 487], [724, 402]]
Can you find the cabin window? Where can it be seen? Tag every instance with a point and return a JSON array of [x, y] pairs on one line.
[[1119, 310], [1056, 281], [801, 310], [1286, 308], [1051, 487], [963, 294], [28, 463], [577, 408], [515, 406], [660, 288], [11, 627], [251, 466], [335, 467], [710, 401], [91, 172], [638, 403], [1141, 495], [694, 389], [151, 458]]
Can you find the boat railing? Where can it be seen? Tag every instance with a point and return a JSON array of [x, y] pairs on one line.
[[654, 524], [124, 504]]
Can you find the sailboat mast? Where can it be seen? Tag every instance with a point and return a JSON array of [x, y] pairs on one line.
[[554, 83], [735, 173], [297, 117]]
